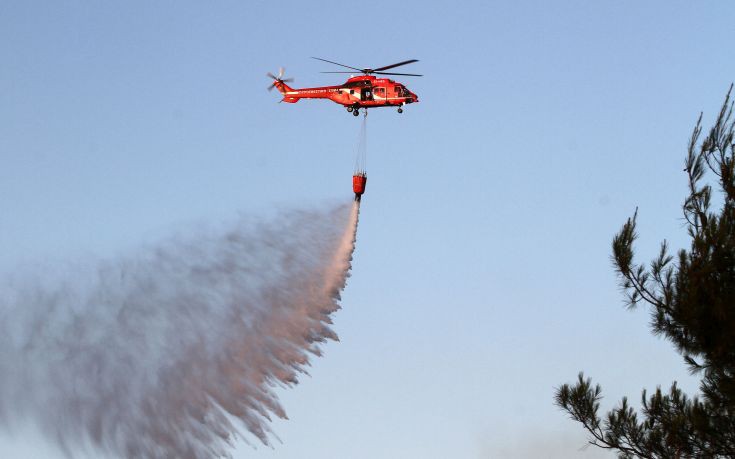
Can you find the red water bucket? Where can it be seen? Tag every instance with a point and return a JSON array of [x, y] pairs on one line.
[[358, 183]]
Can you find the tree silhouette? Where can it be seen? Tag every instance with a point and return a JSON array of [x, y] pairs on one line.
[[692, 303]]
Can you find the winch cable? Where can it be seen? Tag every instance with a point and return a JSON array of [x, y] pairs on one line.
[[361, 154]]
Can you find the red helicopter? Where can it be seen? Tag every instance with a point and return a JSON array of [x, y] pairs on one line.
[[364, 91]]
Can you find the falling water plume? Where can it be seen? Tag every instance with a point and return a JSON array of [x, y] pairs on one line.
[[178, 350]]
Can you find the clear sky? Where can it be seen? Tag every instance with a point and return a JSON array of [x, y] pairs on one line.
[[482, 277]]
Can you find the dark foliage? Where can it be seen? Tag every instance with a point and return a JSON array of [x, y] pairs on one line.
[[692, 302]]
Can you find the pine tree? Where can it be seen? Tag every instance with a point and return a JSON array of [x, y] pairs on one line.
[[692, 304]]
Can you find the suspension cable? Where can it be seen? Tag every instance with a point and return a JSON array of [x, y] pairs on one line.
[[361, 154]]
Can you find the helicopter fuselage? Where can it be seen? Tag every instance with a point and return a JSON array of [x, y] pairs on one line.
[[360, 91]]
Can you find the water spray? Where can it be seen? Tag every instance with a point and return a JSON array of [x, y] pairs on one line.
[[177, 350]]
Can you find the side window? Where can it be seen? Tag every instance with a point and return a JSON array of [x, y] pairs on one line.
[[352, 91]]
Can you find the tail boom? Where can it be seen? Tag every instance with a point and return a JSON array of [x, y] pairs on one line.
[[292, 95]]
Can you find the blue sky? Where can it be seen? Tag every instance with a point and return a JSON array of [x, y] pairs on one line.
[[482, 277]]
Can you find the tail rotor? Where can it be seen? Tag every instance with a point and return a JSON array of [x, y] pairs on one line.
[[278, 79]]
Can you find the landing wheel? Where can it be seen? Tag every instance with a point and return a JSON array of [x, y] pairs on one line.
[[350, 108], [356, 112], [400, 110]]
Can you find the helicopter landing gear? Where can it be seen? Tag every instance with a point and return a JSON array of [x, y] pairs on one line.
[[400, 110], [350, 108], [356, 112]]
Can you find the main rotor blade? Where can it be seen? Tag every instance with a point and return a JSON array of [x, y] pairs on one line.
[[337, 63], [410, 61], [270, 75], [280, 72], [391, 73], [270, 88], [382, 73], [287, 80]]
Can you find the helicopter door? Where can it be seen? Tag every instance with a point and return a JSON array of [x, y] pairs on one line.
[[366, 94]]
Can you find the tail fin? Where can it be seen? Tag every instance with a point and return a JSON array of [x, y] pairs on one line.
[[289, 95], [282, 87]]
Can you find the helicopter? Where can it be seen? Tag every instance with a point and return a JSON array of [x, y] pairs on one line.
[[362, 91]]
